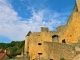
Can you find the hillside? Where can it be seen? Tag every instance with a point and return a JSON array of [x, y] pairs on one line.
[[15, 48]]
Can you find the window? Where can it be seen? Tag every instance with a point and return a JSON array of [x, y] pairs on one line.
[[39, 43], [50, 59], [39, 53], [55, 36], [63, 41]]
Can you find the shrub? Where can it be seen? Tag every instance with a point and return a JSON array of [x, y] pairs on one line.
[[62, 59]]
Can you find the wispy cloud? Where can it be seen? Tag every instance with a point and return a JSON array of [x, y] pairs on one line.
[[14, 27]]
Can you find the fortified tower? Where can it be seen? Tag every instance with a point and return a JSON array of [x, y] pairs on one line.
[[78, 5], [72, 28]]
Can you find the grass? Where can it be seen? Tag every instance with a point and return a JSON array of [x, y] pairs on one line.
[[17, 58]]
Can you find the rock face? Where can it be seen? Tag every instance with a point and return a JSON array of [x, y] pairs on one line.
[[51, 44]]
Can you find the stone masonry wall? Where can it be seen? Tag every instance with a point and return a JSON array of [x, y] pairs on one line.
[[72, 34], [56, 51], [34, 39]]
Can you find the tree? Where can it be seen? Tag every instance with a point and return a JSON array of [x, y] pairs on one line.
[[15, 48]]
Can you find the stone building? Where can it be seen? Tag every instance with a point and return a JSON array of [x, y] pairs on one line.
[[45, 44], [53, 45]]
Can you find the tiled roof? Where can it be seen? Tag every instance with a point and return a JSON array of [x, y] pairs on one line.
[[1, 51], [2, 56]]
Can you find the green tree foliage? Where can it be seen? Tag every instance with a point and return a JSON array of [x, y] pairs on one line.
[[15, 48], [62, 59]]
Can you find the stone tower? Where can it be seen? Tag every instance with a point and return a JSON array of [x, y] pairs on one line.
[[71, 31], [78, 5]]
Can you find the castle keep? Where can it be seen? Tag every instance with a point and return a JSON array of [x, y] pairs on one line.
[[53, 45]]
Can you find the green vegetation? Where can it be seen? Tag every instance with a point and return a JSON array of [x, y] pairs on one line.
[[15, 48], [62, 59]]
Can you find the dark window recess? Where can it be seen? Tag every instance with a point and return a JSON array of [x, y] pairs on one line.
[[50, 59], [55, 36], [39, 53], [63, 41], [39, 43]]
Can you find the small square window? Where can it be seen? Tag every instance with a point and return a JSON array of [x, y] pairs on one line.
[[50, 59], [39, 43], [39, 53]]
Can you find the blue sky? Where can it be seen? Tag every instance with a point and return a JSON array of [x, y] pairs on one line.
[[17, 17]]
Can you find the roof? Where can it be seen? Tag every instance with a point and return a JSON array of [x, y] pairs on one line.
[[1, 51], [2, 55], [28, 33]]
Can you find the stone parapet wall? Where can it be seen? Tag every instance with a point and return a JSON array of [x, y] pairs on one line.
[[56, 51]]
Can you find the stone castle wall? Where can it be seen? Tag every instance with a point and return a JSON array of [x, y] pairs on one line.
[[72, 34], [36, 38], [56, 51], [34, 42]]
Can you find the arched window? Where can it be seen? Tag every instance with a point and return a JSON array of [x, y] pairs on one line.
[[55, 38]]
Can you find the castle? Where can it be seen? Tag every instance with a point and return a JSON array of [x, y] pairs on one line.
[[53, 45]]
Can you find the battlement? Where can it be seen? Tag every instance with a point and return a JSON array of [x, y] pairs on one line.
[[44, 29]]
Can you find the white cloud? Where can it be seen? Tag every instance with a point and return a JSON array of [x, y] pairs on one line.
[[13, 26]]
